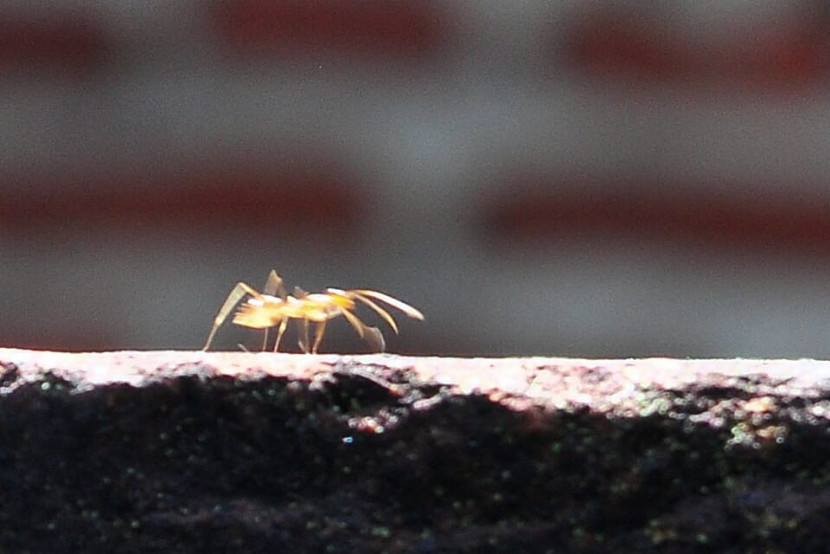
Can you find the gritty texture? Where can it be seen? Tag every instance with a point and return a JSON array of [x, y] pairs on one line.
[[236, 452]]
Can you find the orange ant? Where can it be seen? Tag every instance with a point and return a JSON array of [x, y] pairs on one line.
[[273, 307]]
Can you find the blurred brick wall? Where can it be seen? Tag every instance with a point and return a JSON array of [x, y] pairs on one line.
[[537, 177]]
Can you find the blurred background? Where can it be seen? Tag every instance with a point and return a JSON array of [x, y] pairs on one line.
[[555, 178]]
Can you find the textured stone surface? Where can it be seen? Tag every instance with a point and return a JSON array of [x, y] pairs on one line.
[[217, 452]]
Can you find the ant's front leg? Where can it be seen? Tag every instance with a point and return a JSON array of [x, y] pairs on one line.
[[237, 293]]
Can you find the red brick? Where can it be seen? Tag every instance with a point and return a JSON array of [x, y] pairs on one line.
[[789, 57], [196, 200], [398, 28], [71, 44], [715, 220]]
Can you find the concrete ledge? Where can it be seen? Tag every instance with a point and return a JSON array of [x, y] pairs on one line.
[[213, 452]]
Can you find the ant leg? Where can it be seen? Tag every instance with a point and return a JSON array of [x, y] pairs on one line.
[[299, 293], [283, 325], [237, 293], [372, 335], [303, 336], [381, 312], [394, 302], [274, 286], [358, 325], [318, 336], [375, 339]]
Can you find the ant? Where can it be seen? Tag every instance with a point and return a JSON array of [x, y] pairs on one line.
[[273, 307]]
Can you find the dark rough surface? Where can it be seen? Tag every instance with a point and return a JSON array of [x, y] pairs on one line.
[[193, 452]]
